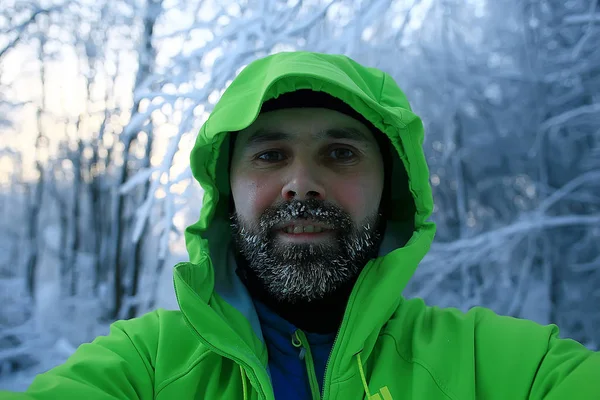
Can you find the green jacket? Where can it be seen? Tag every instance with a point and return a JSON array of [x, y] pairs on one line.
[[387, 347]]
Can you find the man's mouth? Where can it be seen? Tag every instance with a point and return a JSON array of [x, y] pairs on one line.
[[304, 229], [296, 229]]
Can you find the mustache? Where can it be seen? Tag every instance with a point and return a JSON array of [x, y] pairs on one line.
[[310, 209]]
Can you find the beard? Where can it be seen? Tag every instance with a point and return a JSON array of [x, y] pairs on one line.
[[304, 272]]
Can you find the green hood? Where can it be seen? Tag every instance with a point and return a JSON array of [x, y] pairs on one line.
[[370, 92]]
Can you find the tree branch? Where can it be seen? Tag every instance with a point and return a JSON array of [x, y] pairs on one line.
[[21, 28]]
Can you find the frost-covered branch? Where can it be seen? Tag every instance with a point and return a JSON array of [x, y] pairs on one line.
[[582, 19], [20, 29], [558, 121], [590, 176], [524, 226]]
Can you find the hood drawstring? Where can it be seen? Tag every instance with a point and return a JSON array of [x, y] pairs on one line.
[[362, 376], [244, 385]]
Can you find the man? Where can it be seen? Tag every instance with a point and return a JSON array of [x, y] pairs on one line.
[[314, 218]]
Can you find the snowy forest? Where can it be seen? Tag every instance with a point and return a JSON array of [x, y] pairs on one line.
[[100, 103]]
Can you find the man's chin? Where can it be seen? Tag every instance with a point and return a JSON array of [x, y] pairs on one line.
[[300, 294], [307, 251], [306, 290]]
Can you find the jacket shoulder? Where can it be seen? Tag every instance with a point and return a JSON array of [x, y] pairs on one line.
[[136, 358], [176, 347], [498, 354], [477, 323]]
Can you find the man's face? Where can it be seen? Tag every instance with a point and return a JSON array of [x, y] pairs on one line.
[[307, 185]]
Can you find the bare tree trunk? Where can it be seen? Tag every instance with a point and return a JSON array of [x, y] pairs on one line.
[[77, 244], [146, 60], [32, 232], [96, 204], [459, 172], [63, 218], [138, 260], [74, 226], [105, 212], [10, 200], [160, 265], [118, 219], [534, 70], [453, 131], [37, 196]]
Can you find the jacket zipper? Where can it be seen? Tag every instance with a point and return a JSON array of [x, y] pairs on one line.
[[327, 378], [251, 375], [299, 340]]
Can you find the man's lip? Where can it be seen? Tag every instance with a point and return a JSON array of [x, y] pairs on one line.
[[302, 223], [304, 235]]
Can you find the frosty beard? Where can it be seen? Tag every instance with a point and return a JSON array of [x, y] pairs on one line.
[[308, 271]]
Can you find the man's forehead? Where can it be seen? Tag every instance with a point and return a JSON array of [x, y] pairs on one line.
[[316, 124], [263, 135]]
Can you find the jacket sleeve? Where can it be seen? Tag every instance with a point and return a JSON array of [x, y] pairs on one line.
[[567, 371], [117, 366]]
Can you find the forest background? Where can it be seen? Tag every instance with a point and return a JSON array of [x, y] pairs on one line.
[[100, 103]]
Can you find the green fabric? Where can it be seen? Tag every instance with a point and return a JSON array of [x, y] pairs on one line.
[[212, 349]]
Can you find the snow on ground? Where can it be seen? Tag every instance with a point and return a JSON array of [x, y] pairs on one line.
[[53, 350]]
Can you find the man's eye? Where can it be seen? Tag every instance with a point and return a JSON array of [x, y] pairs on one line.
[[342, 154], [271, 156]]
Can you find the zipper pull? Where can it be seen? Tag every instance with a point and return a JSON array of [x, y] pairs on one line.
[[297, 342]]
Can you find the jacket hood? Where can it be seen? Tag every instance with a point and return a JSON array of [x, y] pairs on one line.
[[369, 91]]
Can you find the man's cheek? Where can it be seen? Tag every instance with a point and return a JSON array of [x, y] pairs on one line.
[[262, 196], [351, 198], [247, 194]]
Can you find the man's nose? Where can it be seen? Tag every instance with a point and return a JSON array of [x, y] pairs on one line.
[[303, 183]]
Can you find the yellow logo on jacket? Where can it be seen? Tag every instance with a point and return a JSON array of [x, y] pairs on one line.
[[384, 394]]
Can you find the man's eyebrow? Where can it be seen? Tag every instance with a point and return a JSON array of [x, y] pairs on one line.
[[343, 133], [263, 136]]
